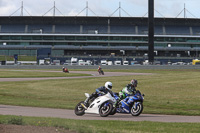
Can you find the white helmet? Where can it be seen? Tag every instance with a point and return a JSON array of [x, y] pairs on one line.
[[108, 85]]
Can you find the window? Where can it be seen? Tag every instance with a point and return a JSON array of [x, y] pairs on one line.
[[103, 38], [59, 38], [114, 38], [198, 39], [37, 37], [170, 39], [35, 43], [26, 38], [48, 37], [93, 38], [159, 39], [70, 38], [15, 37], [191, 39], [122, 38], [81, 38], [129, 38], [137, 39], [180, 39], [4, 38]]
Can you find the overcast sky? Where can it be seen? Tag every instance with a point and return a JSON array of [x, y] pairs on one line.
[[134, 8]]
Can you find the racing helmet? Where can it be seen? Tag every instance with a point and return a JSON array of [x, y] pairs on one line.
[[134, 82], [108, 85]]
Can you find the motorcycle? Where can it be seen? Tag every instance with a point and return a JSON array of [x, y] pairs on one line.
[[131, 104], [102, 105], [101, 72], [65, 70]]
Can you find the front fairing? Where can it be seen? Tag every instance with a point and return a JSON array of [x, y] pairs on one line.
[[96, 104], [130, 101], [138, 97]]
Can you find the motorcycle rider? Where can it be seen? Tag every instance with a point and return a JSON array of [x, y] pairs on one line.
[[129, 90], [99, 91], [65, 70], [99, 69]]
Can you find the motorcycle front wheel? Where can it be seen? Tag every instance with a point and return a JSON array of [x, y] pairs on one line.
[[113, 112], [79, 109], [102, 73], [136, 111], [105, 109]]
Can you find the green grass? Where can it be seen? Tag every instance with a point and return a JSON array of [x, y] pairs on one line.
[[6, 73], [166, 91], [101, 126]]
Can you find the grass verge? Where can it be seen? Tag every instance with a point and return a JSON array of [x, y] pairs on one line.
[[9, 73], [95, 126]]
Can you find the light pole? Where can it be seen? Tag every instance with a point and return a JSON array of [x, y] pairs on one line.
[[123, 53], [151, 32]]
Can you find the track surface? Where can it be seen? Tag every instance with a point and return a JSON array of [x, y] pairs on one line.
[[93, 74], [69, 114]]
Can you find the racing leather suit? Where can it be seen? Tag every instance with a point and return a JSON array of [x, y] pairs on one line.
[[127, 91], [99, 91]]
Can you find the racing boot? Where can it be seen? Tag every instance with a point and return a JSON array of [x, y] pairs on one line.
[[116, 103], [86, 102]]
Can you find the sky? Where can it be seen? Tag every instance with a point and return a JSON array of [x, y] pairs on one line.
[[132, 8]]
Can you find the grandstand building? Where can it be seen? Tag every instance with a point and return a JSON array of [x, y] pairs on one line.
[[99, 37]]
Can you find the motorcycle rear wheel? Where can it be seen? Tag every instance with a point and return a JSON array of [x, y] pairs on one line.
[[104, 110], [138, 110], [79, 109]]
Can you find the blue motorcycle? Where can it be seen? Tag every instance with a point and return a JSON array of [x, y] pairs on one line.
[[131, 104]]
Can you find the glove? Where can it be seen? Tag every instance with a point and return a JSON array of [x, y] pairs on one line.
[[121, 97]]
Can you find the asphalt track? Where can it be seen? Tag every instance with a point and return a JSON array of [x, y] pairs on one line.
[[69, 114], [92, 73]]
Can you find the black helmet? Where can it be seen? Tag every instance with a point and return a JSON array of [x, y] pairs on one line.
[[134, 82]]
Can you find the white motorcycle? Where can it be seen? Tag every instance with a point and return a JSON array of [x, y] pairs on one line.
[[102, 105]]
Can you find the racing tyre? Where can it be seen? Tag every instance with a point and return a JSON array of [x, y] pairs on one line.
[[113, 112], [136, 111], [79, 109], [105, 109], [102, 72]]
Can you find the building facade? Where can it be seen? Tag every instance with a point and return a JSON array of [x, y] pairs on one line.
[[175, 38]]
